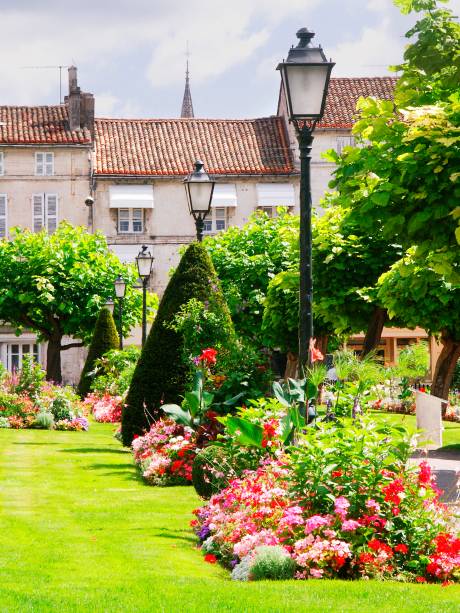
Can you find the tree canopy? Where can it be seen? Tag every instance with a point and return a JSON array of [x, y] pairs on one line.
[[56, 284]]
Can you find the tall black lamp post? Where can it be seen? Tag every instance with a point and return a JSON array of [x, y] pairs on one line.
[[144, 261], [305, 76], [120, 291], [199, 189]]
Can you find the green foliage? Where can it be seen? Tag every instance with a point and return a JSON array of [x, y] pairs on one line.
[[415, 293], [347, 263], [56, 284], [105, 338], [162, 373], [280, 323], [413, 362], [61, 408], [271, 562], [211, 471], [201, 327], [114, 371], [343, 446], [44, 420], [31, 378], [247, 258]]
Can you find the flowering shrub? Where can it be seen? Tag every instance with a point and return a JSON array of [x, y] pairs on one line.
[[104, 407], [165, 454], [28, 401], [348, 508]]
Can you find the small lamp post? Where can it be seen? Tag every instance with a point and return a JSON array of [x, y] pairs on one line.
[[144, 260], [199, 189], [305, 76], [120, 291], [109, 305]]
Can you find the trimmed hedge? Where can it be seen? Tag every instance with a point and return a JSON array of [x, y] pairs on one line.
[[105, 338], [163, 373]]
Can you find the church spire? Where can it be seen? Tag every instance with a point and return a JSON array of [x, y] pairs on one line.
[[187, 105]]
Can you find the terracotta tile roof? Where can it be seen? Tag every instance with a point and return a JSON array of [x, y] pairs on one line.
[[343, 95], [39, 125], [170, 146]]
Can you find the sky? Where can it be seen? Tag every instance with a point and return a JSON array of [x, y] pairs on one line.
[[131, 54]]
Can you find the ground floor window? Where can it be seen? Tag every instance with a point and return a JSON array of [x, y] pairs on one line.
[[15, 353]]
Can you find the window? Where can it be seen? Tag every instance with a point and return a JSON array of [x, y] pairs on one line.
[[3, 212], [45, 212], [216, 220], [2, 163], [44, 164], [130, 220], [15, 353], [268, 210], [344, 141]]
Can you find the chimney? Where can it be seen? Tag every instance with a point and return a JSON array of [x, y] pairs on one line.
[[87, 112], [74, 100]]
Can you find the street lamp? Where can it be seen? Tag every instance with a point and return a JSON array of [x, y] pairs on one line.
[[144, 261], [120, 291], [199, 189], [305, 76], [109, 305]]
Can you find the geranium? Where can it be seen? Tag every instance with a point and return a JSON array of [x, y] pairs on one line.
[[165, 454], [105, 408], [208, 357]]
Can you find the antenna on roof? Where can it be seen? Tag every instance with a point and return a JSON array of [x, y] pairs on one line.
[[48, 68]]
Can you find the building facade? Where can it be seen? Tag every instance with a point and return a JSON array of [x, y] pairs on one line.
[[52, 158]]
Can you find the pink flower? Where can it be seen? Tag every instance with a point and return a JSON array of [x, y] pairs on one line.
[[341, 505], [349, 525], [373, 505], [317, 573], [316, 521]]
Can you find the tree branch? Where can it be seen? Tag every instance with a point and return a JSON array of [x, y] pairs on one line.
[[71, 346]]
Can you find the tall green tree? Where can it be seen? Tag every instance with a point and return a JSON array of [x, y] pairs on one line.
[[247, 258], [105, 338], [163, 370], [419, 296], [56, 284]]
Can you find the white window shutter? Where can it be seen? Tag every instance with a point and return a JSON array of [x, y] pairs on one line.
[[39, 164], [38, 211], [3, 212], [49, 164], [2, 163], [51, 212]]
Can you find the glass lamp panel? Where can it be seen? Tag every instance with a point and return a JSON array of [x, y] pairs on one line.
[[144, 265], [120, 288], [306, 86], [200, 195]]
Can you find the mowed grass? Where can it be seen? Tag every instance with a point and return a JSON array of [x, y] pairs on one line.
[[80, 532]]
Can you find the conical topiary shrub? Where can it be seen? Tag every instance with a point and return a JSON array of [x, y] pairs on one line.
[[105, 338], [163, 372]]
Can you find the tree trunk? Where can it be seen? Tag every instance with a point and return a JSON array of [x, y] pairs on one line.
[[374, 330], [321, 344], [53, 359], [291, 365], [445, 367]]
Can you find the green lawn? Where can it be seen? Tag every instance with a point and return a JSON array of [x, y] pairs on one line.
[[80, 532], [450, 435]]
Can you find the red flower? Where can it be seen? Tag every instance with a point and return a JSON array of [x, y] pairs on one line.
[[424, 476], [420, 579], [211, 558], [270, 428], [176, 465], [337, 473], [208, 356], [374, 544], [392, 491], [401, 548], [366, 558]]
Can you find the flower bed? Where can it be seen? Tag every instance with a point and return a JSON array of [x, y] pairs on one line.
[[104, 407], [28, 401], [165, 454], [348, 509]]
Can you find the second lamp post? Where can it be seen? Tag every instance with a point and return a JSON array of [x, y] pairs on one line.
[[199, 189], [120, 291], [144, 261], [305, 76]]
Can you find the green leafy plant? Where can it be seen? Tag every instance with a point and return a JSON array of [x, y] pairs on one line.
[[113, 372], [31, 377], [105, 338], [271, 562]]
